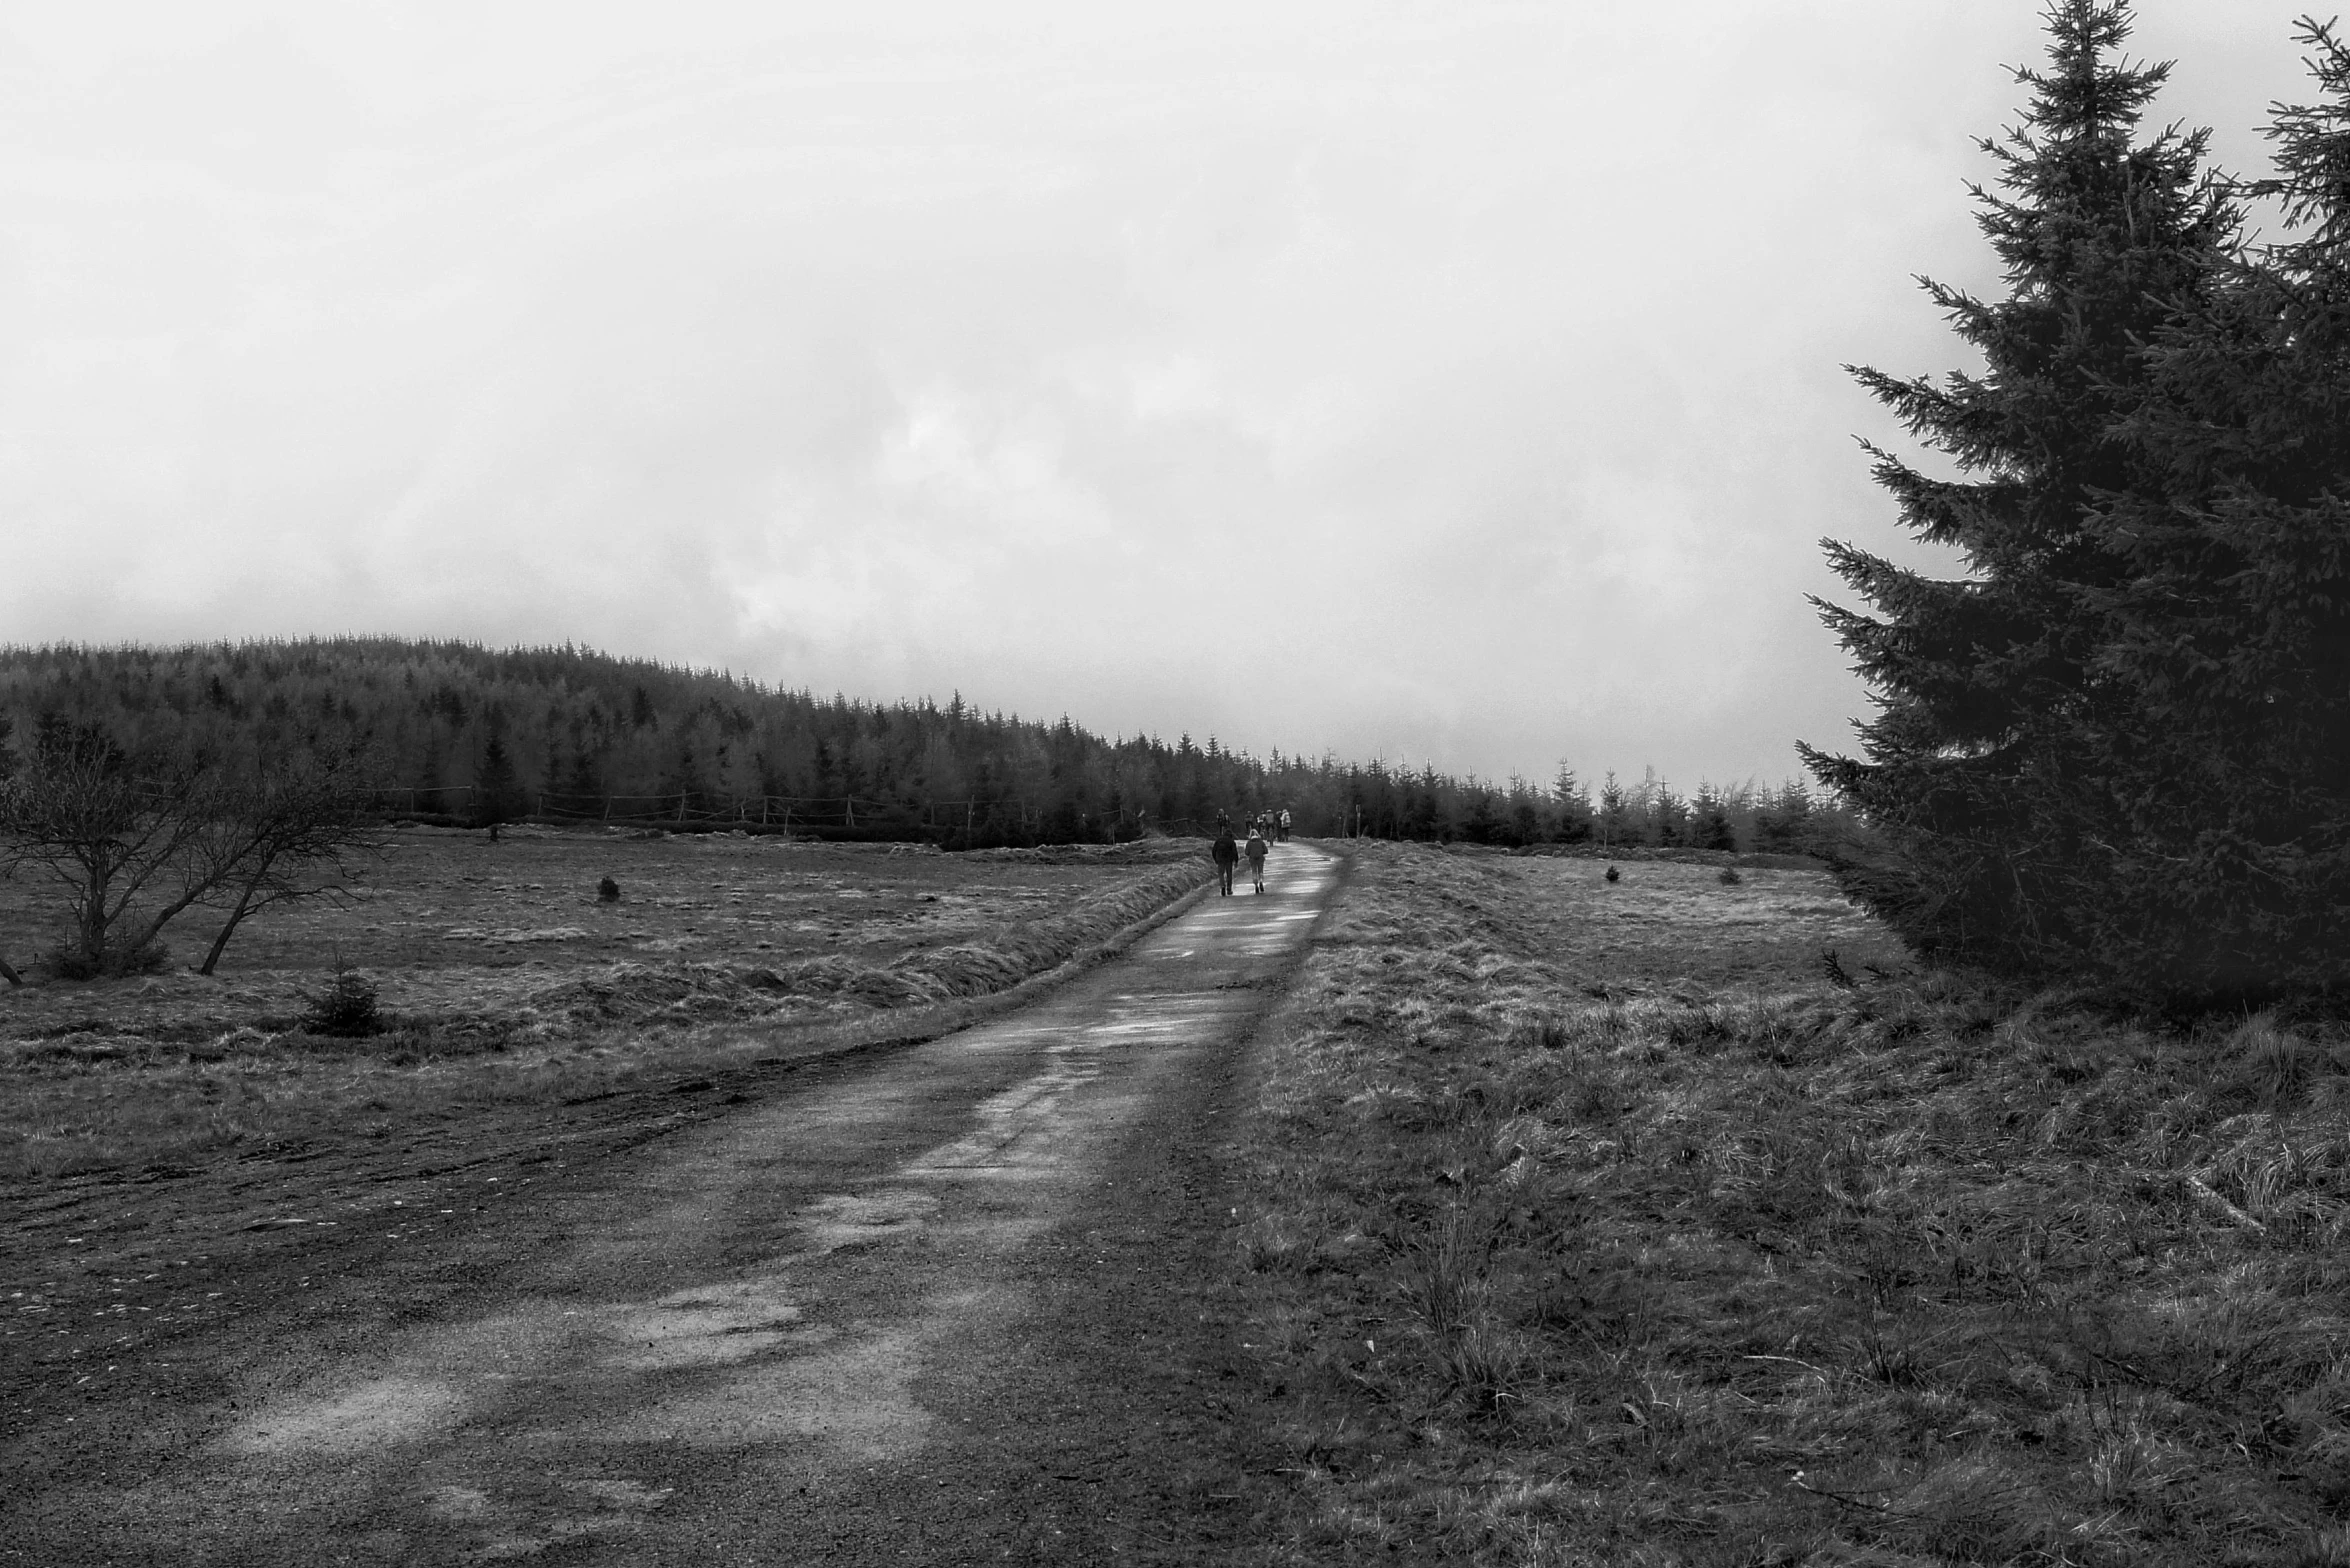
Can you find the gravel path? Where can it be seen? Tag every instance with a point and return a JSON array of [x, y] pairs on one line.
[[942, 1305]]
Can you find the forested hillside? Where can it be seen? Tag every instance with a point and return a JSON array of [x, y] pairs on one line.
[[456, 730]]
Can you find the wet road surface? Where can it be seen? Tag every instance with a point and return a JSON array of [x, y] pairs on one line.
[[929, 1311]]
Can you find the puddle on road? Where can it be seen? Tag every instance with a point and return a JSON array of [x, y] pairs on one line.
[[428, 1389], [634, 1495], [518, 1528], [1026, 1129], [854, 1395], [444, 1375], [711, 1326], [855, 1220], [459, 1504], [382, 1410]]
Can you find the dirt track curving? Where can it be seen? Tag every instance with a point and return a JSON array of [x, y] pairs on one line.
[[938, 1305]]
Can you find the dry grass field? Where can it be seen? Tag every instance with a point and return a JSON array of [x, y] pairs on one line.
[[503, 976], [1591, 1224]]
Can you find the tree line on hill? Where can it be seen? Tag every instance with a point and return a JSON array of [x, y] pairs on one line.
[[217, 780], [2117, 745], [456, 732]]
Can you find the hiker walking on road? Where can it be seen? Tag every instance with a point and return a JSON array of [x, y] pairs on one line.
[[1226, 854], [1256, 858], [1284, 825]]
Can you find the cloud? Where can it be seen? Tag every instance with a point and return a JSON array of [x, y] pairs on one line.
[[1455, 383]]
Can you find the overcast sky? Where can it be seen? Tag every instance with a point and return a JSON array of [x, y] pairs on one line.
[[1454, 383]]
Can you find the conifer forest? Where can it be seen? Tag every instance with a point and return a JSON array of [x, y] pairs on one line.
[[458, 733]]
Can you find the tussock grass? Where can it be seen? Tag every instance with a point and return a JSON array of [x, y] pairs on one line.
[[1758, 1269]]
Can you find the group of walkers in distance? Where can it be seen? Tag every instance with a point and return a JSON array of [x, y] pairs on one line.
[[1264, 829]]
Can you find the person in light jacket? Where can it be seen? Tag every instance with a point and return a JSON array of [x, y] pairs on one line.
[[1256, 859]]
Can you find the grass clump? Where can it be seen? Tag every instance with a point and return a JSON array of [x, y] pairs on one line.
[[1783, 1270]]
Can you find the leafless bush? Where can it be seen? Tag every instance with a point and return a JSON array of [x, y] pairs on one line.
[[114, 830], [137, 838], [294, 830]]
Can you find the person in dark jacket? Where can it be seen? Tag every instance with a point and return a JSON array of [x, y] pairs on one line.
[[1226, 854]]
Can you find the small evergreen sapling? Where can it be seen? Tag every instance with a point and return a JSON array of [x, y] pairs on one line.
[[346, 1007], [1710, 821], [497, 786]]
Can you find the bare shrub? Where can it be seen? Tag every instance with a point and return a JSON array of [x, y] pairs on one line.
[[137, 838], [114, 830], [291, 830]]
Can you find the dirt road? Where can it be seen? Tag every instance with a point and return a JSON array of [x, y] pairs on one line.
[[946, 1305]]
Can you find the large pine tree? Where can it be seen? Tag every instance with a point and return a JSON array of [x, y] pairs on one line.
[[2232, 629], [1992, 768]]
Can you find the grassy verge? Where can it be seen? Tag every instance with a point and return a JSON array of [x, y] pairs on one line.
[[1721, 1263], [86, 1099]]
